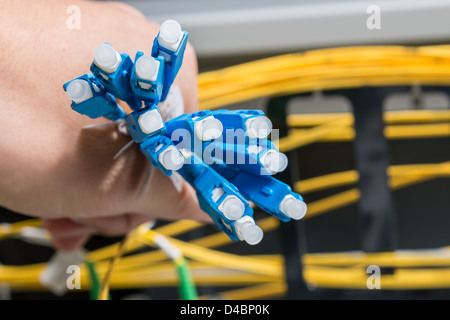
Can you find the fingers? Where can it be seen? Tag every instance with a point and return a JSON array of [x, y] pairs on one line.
[[67, 234]]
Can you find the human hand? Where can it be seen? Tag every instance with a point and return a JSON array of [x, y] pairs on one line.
[[53, 169]]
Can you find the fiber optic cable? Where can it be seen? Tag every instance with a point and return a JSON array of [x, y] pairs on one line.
[[316, 70], [186, 285], [219, 258], [94, 281], [12, 229], [390, 117], [325, 69], [392, 132], [351, 177], [104, 288]]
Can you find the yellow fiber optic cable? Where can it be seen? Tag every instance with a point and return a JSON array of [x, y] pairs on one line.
[[332, 277], [306, 72], [399, 259], [11, 229], [327, 181], [104, 288], [156, 259], [294, 141], [336, 130], [329, 57], [269, 290], [219, 258], [351, 177], [392, 132], [425, 171], [325, 69], [353, 195], [219, 239], [186, 285], [347, 133], [172, 229], [390, 117], [416, 167], [316, 263]]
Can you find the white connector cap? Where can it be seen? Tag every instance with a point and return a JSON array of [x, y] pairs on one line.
[[232, 207], [79, 90], [106, 58], [247, 230], [171, 158], [208, 128], [54, 275], [150, 121], [146, 67], [170, 35], [172, 251], [258, 127], [274, 161], [293, 207]]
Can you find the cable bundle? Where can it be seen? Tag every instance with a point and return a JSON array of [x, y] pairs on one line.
[[200, 262]]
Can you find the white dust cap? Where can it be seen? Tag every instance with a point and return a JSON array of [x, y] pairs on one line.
[[248, 231], [232, 207], [252, 234], [170, 34], [79, 90], [208, 128], [258, 127], [146, 67], [171, 158], [293, 207], [274, 161], [106, 58], [150, 121]]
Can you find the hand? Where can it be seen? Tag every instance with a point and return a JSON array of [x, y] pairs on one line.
[[50, 167]]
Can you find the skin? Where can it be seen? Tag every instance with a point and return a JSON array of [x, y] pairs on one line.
[[50, 167]]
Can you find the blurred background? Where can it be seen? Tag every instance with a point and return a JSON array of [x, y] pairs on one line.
[[369, 219], [226, 32]]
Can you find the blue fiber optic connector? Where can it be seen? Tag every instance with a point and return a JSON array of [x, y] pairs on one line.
[[225, 155]]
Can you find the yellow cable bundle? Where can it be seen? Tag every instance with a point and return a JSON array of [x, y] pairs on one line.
[[293, 73], [324, 69]]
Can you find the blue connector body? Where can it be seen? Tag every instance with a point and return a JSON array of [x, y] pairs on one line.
[[136, 127], [153, 147], [118, 82], [212, 191], [183, 131], [149, 91], [186, 121], [265, 191], [174, 60], [234, 120], [245, 157], [101, 104]]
